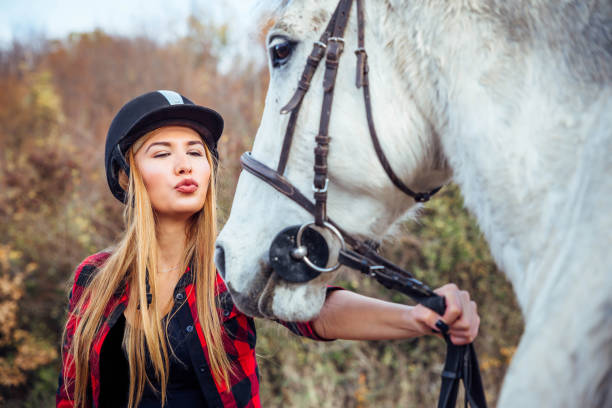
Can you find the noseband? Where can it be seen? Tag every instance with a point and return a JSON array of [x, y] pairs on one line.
[[299, 253]]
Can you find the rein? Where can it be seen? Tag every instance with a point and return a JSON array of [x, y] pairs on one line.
[[299, 253]]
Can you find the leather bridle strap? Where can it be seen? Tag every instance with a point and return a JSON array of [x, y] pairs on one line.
[[335, 46], [363, 257], [362, 81], [335, 30], [293, 106], [461, 364]]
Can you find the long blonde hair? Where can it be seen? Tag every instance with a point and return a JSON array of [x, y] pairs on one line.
[[134, 254]]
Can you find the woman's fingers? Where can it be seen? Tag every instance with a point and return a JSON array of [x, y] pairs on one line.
[[465, 329], [460, 316], [426, 319], [454, 304], [461, 340], [460, 337]]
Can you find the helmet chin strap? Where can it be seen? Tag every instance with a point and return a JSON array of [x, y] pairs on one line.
[[121, 160]]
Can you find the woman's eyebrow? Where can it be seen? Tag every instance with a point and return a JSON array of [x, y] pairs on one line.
[[168, 144], [157, 143], [194, 142]]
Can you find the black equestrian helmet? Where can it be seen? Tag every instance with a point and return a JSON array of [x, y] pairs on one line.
[[148, 112]]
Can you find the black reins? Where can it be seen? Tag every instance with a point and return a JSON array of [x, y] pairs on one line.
[[300, 254]]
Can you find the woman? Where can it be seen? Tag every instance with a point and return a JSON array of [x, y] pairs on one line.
[[151, 322]]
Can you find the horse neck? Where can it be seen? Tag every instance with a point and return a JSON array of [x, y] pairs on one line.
[[512, 122]]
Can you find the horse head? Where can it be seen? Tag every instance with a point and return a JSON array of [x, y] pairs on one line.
[[515, 97], [361, 197]]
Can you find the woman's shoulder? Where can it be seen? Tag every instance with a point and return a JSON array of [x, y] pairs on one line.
[[88, 267], [84, 273]]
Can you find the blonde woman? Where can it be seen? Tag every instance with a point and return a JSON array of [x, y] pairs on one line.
[[150, 322]]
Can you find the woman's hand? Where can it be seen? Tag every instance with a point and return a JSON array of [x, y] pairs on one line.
[[460, 315]]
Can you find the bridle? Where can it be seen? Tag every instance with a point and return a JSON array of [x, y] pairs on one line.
[[300, 254]]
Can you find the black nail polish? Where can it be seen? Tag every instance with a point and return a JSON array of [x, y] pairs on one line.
[[443, 327]]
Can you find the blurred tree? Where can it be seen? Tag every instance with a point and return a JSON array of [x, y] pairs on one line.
[[57, 102]]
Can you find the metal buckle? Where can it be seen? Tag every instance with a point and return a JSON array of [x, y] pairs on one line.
[[337, 39], [301, 253], [374, 268], [321, 44], [422, 197], [321, 190]]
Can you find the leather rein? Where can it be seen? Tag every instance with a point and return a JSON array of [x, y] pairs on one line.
[[295, 253]]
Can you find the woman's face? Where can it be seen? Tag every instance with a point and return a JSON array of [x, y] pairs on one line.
[[175, 171]]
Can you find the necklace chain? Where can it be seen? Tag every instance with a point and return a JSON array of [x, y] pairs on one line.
[[171, 269]]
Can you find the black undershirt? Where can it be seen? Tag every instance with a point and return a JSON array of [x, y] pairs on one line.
[[183, 389]]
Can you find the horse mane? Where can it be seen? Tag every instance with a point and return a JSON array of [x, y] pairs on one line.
[[578, 33]]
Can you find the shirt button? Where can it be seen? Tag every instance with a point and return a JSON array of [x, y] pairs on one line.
[[202, 368], [189, 329], [179, 296], [226, 312]]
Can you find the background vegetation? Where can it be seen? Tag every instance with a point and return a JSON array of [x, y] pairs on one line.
[[57, 100]]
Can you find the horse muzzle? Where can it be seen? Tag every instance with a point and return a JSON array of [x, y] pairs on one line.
[[300, 254]]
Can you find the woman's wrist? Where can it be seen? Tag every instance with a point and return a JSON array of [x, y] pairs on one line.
[[413, 324]]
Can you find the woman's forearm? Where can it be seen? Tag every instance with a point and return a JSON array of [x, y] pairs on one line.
[[348, 315]]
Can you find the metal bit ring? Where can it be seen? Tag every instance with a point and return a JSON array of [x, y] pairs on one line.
[[298, 242]]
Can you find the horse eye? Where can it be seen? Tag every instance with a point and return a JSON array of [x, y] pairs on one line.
[[280, 53]]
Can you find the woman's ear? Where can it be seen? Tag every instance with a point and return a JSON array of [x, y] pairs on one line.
[[124, 180]]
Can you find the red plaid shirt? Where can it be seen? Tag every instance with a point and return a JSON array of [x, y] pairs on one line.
[[238, 332]]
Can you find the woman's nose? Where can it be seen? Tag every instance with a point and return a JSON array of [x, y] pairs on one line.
[[183, 166]]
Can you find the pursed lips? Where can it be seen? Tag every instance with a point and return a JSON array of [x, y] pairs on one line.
[[186, 186]]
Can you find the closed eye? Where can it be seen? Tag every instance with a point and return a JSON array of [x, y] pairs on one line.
[[191, 153]]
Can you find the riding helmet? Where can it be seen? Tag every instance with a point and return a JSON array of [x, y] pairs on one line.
[[148, 112]]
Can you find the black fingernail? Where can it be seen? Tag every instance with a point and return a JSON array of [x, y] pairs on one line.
[[443, 327]]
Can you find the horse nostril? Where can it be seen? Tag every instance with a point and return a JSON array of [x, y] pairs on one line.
[[220, 260]]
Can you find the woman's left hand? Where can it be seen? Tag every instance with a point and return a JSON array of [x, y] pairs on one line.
[[461, 315]]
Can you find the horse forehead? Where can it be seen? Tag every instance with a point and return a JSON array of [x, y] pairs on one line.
[[302, 17]]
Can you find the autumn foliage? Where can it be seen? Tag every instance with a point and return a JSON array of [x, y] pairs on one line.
[[57, 101]]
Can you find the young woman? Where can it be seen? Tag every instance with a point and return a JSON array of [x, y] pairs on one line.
[[150, 322]]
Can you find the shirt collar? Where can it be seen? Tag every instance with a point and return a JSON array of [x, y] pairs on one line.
[[185, 279]]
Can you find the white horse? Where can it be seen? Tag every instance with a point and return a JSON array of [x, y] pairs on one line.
[[513, 100]]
